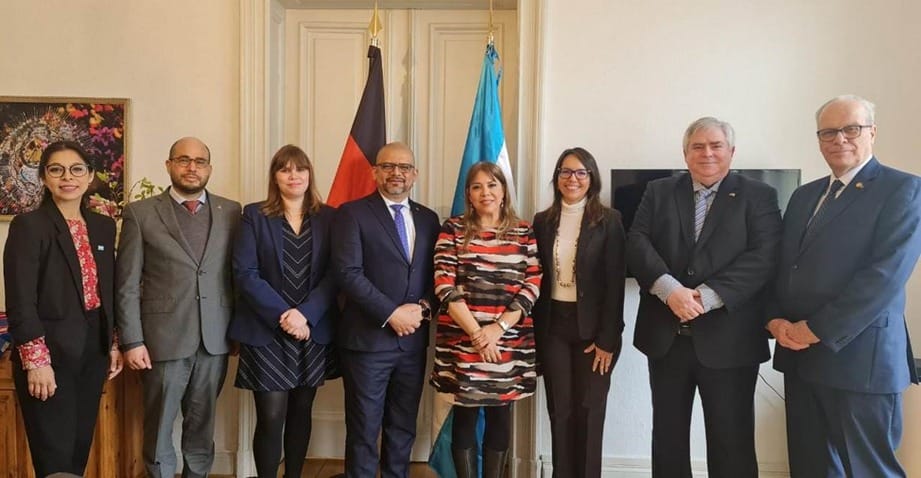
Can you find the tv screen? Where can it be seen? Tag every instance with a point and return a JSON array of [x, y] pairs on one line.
[[628, 185]]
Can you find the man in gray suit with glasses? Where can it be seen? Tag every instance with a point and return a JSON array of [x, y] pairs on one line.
[[173, 303]]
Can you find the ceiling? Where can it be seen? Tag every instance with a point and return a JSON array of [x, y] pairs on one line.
[[402, 4]]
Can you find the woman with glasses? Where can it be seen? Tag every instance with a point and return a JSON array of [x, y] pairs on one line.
[[59, 267], [579, 317], [285, 317], [487, 277]]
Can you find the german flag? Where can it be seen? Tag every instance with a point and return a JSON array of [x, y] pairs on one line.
[[354, 178]]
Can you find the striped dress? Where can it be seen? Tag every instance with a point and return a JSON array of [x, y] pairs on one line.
[[489, 274], [286, 363]]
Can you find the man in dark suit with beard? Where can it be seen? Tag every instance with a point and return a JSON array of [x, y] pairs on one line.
[[383, 249]]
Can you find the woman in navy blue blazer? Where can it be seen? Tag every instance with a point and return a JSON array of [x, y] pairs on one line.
[[286, 311]]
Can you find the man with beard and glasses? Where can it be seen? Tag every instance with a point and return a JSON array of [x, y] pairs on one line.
[[173, 303], [383, 249]]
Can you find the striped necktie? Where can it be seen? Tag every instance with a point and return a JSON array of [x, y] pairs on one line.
[[700, 210]]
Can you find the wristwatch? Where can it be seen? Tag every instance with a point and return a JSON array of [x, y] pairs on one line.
[[502, 324], [426, 309]]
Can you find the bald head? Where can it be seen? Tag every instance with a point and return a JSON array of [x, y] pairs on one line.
[[394, 148], [189, 141], [395, 171]]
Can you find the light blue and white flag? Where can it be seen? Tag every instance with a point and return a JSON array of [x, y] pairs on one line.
[[485, 138]]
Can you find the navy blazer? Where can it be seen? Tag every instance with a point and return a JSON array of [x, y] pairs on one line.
[[376, 276], [846, 275], [44, 282], [257, 269], [735, 256]]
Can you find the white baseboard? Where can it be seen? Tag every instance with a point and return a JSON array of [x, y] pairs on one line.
[[624, 467]]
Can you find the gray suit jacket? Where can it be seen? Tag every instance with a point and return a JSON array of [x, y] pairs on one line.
[[165, 298]]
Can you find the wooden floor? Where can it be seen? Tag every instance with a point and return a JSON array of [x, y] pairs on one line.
[[329, 468]]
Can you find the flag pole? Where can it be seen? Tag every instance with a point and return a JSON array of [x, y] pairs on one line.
[[490, 37], [375, 27]]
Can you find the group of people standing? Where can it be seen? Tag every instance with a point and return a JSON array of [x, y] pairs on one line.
[[310, 293]]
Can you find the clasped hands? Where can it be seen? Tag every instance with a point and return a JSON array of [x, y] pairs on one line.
[[792, 335], [293, 322], [406, 319], [685, 303]]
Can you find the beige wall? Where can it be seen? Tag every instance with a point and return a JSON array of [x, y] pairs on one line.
[[178, 63], [624, 79]]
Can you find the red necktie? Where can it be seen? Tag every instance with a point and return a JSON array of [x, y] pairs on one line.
[[192, 206]]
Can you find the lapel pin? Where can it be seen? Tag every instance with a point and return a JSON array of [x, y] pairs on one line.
[[859, 185], [100, 247], [732, 195]]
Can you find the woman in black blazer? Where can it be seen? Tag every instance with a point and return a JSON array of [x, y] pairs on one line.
[[285, 316], [58, 266], [579, 316]]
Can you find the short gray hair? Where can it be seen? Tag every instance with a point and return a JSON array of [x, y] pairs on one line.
[[868, 107], [709, 122]]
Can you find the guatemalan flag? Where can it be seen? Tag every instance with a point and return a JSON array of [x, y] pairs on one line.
[[485, 138], [485, 142]]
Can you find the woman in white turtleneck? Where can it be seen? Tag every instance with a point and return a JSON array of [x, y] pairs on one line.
[[578, 318]]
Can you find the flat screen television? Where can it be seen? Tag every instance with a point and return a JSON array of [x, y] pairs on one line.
[[628, 185]]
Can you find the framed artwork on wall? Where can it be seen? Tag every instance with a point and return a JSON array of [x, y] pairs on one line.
[[29, 124]]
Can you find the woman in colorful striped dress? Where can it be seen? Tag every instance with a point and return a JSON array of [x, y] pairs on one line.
[[285, 317], [487, 277]]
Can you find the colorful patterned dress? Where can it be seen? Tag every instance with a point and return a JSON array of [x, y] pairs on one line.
[[490, 274]]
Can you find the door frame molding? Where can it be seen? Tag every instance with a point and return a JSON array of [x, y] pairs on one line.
[[256, 110]]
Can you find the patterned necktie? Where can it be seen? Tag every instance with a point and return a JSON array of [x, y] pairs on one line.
[[192, 206], [401, 227], [832, 194], [700, 211]]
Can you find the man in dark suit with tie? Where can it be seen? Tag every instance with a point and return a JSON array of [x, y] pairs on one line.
[[850, 243], [702, 247], [383, 249]]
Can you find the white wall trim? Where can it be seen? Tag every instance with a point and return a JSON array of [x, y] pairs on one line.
[[624, 467], [255, 16]]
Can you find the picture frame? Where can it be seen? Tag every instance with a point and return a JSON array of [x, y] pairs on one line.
[[29, 124]]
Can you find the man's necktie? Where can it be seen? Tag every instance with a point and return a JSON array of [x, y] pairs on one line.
[[401, 227], [700, 211], [836, 186], [192, 206]]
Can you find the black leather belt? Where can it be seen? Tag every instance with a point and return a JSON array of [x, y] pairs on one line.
[[685, 330]]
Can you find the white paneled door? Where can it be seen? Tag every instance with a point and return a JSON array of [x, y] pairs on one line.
[[431, 62]]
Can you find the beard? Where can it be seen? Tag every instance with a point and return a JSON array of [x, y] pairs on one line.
[[189, 189]]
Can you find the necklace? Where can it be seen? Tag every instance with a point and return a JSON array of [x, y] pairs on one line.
[[556, 263]]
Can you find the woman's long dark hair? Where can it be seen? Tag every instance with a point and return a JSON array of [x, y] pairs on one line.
[[594, 210], [273, 205], [56, 147]]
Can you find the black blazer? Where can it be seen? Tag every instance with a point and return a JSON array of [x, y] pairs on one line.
[[735, 256], [375, 276], [599, 278], [257, 269], [44, 286]]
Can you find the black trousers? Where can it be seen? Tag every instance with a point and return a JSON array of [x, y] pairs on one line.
[[727, 397], [576, 396], [60, 429]]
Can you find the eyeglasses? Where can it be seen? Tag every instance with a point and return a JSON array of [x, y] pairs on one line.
[[404, 168], [850, 131], [185, 161], [580, 174], [76, 170]]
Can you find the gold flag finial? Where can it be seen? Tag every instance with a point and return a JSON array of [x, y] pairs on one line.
[[375, 27]]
